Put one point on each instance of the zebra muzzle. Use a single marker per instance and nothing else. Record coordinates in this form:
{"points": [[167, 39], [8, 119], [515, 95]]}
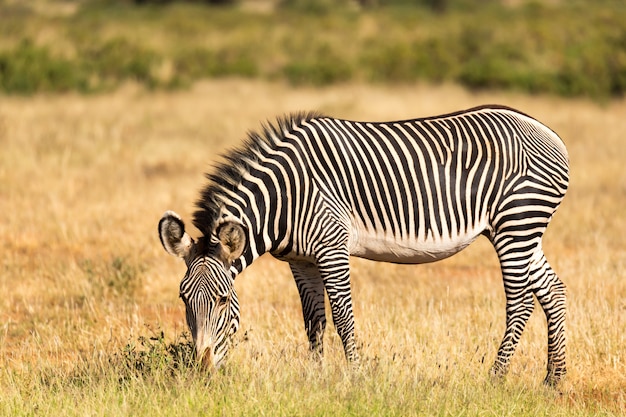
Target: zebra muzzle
{"points": [[207, 359]]}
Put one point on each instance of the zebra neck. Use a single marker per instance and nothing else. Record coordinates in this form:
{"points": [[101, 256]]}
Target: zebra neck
{"points": [[258, 241]]}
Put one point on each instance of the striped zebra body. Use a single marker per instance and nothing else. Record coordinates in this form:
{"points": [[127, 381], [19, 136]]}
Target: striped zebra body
{"points": [[313, 190]]}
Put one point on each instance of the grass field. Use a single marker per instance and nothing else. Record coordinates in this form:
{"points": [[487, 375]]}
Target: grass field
{"points": [[90, 322]]}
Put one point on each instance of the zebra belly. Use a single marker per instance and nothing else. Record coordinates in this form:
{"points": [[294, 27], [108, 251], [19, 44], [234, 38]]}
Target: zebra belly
{"points": [[411, 250]]}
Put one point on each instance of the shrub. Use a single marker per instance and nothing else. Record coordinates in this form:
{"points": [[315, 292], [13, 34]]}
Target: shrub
{"points": [[389, 62], [29, 68], [192, 64], [316, 7], [154, 356], [323, 67], [430, 59], [118, 60], [593, 68], [212, 2]]}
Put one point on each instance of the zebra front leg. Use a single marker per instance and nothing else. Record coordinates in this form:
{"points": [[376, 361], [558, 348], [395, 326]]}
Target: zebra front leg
{"points": [[311, 289], [550, 292], [334, 268]]}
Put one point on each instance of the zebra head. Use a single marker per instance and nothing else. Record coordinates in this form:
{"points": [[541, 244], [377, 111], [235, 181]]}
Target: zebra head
{"points": [[211, 304]]}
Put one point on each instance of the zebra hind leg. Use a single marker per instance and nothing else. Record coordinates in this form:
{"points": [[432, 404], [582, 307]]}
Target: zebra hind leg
{"points": [[311, 290], [550, 292], [519, 307], [519, 300]]}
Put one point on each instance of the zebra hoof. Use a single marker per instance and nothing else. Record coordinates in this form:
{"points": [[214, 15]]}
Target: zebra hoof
{"points": [[497, 373], [553, 379]]}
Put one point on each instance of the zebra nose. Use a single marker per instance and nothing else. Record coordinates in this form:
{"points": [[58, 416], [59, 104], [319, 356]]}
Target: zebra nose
{"points": [[207, 359]]}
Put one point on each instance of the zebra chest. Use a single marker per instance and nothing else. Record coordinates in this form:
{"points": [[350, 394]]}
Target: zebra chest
{"points": [[386, 247]]}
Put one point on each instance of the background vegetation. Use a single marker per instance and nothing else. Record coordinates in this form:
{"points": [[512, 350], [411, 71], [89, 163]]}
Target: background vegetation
{"points": [[569, 48]]}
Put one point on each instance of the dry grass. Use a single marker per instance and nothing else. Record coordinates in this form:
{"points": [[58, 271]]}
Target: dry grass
{"points": [[84, 181]]}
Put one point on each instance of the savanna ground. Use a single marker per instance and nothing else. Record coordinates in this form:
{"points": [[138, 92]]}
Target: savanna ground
{"points": [[90, 321]]}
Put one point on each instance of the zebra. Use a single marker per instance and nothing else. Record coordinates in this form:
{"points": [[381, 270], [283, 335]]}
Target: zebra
{"points": [[313, 190]]}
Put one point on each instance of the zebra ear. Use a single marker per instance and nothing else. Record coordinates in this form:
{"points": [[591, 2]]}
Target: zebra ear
{"points": [[233, 239], [173, 236]]}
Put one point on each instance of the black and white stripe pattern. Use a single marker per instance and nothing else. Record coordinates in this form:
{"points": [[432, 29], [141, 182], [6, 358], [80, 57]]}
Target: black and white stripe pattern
{"points": [[314, 190], [212, 308]]}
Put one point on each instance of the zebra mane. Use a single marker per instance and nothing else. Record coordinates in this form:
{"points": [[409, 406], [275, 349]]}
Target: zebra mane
{"points": [[236, 162]]}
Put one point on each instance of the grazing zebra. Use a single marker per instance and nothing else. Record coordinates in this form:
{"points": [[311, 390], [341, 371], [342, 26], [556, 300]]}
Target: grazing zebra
{"points": [[313, 190]]}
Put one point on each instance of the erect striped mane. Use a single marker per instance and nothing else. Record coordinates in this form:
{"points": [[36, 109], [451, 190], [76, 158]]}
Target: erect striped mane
{"points": [[235, 164]]}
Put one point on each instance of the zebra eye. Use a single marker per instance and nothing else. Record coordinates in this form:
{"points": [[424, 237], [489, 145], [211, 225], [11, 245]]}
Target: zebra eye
{"points": [[222, 300]]}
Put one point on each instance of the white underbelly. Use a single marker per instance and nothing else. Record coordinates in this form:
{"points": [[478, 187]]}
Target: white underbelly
{"points": [[409, 250]]}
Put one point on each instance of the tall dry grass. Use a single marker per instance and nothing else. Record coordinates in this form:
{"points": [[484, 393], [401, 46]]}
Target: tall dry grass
{"points": [[85, 179]]}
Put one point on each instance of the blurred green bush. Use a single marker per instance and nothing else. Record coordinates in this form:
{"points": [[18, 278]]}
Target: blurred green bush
{"points": [[28, 68], [569, 48], [116, 60], [318, 65]]}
